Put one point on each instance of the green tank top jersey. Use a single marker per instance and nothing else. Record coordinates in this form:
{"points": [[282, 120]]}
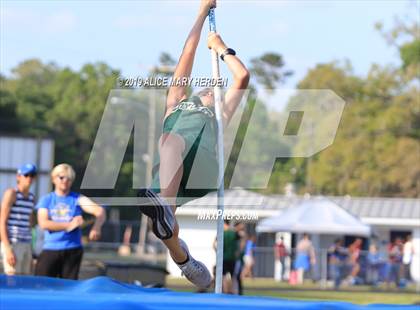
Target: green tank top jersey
{"points": [[192, 120], [197, 125]]}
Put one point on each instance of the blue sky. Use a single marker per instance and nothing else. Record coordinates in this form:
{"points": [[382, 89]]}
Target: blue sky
{"points": [[129, 35]]}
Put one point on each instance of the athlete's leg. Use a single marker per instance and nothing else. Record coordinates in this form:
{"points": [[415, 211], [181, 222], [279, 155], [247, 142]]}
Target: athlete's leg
{"points": [[171, 148], [161, 209], [171, 166]]}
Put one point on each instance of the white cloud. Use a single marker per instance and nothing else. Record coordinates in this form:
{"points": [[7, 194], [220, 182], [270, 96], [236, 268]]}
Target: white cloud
{"points": [[279, 28], [271, 3], [129, 22], [13, 17], [60, 22], [19, 19], [132, 22]]}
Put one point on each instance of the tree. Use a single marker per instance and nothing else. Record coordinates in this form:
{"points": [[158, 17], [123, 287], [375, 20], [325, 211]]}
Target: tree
{"points": [[376, 150], [268, 70], [376, 146]]}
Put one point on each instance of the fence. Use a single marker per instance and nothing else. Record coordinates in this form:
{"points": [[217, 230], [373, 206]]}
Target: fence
{"points": [[266, 266], [323, 271], [329, 273]]}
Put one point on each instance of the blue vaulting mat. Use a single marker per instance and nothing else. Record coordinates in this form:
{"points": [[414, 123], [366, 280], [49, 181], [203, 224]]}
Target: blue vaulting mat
{"points": [[103, 293]]}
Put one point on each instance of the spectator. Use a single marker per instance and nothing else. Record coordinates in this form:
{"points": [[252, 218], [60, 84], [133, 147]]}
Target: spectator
{"points": [[383, 260], [60, 215], [395, 251], [280, 254], [230, 254], [125, 249], [249, 259], [374, 263], [354, 256], [337, 255], [237, 280], [153, 244], [408, 252], [15, 223], [305, 257]]}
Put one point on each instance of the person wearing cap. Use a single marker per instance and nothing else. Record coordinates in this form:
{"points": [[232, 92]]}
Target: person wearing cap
{"points": [[17, 208], [60, 216]]}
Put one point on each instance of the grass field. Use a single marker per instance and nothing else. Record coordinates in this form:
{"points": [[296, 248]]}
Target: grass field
{"points": [[311, 291]]}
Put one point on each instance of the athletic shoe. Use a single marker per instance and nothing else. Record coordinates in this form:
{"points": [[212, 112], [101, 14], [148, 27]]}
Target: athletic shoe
{"points": [[195, 271], [163, 219]]}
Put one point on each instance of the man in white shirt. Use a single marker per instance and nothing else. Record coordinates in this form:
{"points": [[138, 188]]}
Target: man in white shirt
{"points": [[408, 252]]}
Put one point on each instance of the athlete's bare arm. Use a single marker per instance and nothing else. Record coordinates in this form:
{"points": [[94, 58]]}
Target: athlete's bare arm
{"points": [[240, 77], [186, 61]]}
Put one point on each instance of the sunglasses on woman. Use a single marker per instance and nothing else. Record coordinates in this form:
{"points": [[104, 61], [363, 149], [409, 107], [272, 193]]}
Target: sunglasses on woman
{"points": [[63, 177]]}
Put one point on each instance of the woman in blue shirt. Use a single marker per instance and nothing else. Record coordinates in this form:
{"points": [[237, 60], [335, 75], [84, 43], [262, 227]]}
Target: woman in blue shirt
{"points": [[249, 257], [60, 215]]}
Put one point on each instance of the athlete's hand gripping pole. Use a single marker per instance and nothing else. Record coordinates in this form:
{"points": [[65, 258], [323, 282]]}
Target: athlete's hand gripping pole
{"points": [[220, 192]]}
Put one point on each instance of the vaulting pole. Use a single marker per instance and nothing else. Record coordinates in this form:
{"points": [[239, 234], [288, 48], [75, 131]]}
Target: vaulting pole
{"points": [[221, 190]]}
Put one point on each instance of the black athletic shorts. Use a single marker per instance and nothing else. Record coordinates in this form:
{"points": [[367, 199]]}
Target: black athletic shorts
{"points": [[228, 267], [59, 263]]}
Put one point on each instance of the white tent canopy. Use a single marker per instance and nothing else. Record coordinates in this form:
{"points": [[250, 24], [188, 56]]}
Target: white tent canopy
{"points": [[315, 216]]}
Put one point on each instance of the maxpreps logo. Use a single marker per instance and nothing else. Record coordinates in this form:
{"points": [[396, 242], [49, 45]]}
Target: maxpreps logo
{"points": [[304, 123], [213, 215]]}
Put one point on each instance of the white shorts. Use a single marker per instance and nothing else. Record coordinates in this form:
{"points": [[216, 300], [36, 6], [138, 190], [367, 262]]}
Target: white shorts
{"points": [[248, 260], [23, 255]]}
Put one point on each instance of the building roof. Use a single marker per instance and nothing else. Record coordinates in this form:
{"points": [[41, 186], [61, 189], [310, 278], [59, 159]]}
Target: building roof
{"points": [[363, 207]]}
